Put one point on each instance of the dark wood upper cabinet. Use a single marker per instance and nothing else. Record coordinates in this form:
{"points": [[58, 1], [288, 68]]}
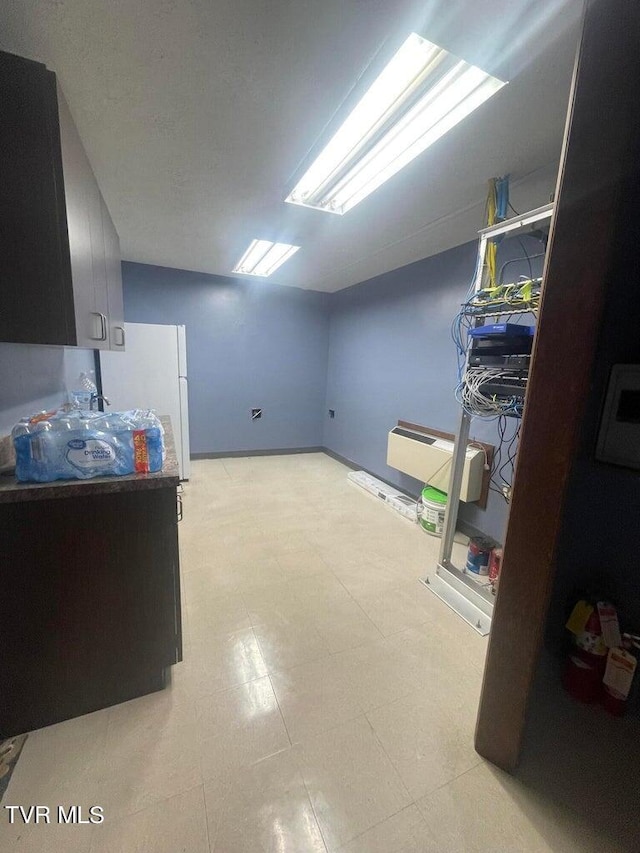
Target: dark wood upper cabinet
{"points": [[59, 250]]}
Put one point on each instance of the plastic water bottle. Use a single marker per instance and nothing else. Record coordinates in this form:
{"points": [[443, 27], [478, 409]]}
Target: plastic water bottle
{"points": [[85, 390], [21, 428]]}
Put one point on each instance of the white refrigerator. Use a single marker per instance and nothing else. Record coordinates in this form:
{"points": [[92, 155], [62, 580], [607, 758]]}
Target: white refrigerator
{"points": [[151, 374]]}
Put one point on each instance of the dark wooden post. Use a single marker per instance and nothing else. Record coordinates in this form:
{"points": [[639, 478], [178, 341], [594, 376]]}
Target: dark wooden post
{"points": [[601, 138]]}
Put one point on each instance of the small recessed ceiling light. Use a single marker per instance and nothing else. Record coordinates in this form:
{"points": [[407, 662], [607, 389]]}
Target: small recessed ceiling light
{"points": [[264, 257], [422, 93]]}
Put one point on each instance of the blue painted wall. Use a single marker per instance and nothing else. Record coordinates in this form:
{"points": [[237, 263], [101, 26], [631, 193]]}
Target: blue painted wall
{"points": [[249, 343], [375, 352], [391, 357], [33, 378]]}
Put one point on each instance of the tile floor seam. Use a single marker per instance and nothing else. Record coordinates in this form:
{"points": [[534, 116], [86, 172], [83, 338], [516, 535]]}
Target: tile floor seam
{"points": [[325, 654], [199, 698], [357, 646], [364, 642], [206, 820], [310, 798], [450, 782], [390, 759], [209, 779], [391, 702], [331, 728], [284, 722], [286, 581], [302, 779], [211, 840], [315, 814], [121, 816], [364, 613], [373, 709], [240, 683], [400, 630], [410, 805], [410, 801], [348, 591]]}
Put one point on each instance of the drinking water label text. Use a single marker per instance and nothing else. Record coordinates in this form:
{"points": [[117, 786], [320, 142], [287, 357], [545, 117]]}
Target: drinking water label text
{"points": [[89, 453]]}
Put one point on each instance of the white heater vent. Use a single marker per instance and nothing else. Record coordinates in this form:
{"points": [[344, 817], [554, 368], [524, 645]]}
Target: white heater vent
{"points": [[428, 459]]}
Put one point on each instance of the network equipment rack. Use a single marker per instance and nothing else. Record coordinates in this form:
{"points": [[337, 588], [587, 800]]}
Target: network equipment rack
{"points": [[502, 358]]}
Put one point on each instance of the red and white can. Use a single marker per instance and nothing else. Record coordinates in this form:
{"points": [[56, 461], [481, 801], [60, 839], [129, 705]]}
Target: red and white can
{"points": [[478, 555], [495, 561]]}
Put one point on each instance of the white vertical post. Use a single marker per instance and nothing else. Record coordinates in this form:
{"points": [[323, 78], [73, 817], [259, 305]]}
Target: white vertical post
{"points": [[455, 485], [461, 441]]}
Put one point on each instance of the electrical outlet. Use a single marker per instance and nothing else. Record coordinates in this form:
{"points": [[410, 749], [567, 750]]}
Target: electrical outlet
{"points": [[332, 413], [256, 414], [506, 491]]}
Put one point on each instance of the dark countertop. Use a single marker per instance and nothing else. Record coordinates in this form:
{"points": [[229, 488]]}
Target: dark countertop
{"points": [[11, 491]]}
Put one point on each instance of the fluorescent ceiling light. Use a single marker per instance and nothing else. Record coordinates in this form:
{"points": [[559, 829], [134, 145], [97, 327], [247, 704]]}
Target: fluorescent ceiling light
{"points": [[421, 94], [264, 257]]}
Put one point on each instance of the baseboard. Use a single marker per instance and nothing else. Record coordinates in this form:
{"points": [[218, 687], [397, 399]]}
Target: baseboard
{"points": [[355, 467], [469, 529], [342, 459], [463, 526], [279, 451]]}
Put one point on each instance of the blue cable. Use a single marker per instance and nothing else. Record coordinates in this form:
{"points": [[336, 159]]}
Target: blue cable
{"points": [[502, 197]]}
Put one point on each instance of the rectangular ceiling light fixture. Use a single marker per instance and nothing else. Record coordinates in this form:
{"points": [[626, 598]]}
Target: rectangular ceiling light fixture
{"points": [[264, 257], [422, 93]]}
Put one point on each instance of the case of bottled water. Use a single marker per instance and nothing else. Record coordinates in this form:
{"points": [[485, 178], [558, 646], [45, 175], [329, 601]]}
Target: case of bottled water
{"points": [[80, 444]]}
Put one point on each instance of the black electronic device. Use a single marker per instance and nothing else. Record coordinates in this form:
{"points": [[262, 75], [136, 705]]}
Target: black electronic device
{"points": [[502, 345], [508, 362], [510, 386]]}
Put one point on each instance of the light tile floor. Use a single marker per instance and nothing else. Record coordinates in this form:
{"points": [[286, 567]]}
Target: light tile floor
{"points": [[326, 701]]}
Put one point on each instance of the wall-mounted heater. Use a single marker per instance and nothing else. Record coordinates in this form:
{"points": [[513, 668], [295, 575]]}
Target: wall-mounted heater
{"points": [[428, 458]]}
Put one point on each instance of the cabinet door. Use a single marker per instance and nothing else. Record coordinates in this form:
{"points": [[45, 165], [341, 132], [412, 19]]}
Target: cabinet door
{"points": [[93, 614], [115, 304], [36, 296], [98, 264], [53, 265], [84, 220]]}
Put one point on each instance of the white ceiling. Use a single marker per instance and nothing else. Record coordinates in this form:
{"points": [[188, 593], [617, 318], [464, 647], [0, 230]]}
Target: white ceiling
{"points": [[198, 116]]}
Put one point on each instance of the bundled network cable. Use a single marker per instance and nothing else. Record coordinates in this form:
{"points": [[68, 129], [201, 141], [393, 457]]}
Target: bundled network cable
{"points": [[523, 295], [502, 469], [501, 300], [476, 393], [496, 211]]}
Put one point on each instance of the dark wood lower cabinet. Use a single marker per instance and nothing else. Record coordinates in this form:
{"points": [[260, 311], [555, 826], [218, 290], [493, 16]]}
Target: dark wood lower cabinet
{"points": [[89, 605]]}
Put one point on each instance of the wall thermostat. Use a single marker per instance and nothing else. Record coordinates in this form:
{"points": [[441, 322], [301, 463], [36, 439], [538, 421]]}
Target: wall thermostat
{"points": [[619, 436]]}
